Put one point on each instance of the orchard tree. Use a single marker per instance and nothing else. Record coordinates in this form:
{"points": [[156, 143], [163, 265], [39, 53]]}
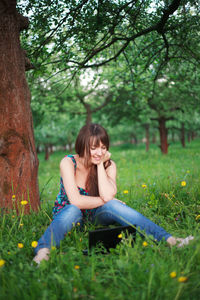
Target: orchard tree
{"points": [[18, 160]]}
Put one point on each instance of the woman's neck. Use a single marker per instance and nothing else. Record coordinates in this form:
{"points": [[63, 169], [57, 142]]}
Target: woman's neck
{"points": [[82, 163]]}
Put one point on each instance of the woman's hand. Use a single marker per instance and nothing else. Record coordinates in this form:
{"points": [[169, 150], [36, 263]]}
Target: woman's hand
{"points": [[106, 156]]}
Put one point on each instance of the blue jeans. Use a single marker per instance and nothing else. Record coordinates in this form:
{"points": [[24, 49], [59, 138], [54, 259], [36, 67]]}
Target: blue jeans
{"points": [[111, 212]]}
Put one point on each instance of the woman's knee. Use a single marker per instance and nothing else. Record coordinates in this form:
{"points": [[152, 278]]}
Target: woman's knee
{"points": [[69, 212], [113, 204]]}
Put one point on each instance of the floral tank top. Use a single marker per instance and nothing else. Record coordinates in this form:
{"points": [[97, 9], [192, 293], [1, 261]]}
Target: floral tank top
{"points": [[62, 199]]}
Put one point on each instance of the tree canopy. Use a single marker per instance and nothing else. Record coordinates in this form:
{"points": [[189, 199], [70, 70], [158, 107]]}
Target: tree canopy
{"points": [[145, 51]]}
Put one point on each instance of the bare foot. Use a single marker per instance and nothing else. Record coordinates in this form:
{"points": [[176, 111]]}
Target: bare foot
{"points": [[42, 254], [180, 242]]}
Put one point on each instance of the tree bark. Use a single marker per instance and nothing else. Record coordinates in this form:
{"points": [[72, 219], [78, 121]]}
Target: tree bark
{"points": [[18, 159], [163, 135], [47, 152], [183, 134]]}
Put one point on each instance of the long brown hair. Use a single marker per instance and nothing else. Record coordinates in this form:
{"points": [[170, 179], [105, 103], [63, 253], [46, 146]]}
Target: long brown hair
{"points": [[89, 135]]}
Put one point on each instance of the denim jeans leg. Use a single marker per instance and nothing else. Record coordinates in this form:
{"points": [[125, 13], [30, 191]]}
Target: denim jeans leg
{"points": [[62, 223], [115, 211]]}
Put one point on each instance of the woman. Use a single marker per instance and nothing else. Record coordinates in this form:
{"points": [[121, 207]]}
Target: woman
{"points": [[87, 191]]}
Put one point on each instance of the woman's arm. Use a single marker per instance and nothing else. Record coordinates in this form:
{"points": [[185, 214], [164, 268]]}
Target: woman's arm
{"points": [[82, 202], [107, 181]]}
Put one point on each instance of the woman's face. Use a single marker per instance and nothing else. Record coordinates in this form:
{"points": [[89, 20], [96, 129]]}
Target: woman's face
{"points": [[97, 153]]}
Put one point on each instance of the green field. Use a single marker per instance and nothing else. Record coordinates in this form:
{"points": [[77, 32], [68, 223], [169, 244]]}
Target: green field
{"points": [[148, 182]]}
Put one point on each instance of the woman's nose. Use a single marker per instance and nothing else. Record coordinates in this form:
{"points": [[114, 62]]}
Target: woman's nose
{"points": [[99, 151]]}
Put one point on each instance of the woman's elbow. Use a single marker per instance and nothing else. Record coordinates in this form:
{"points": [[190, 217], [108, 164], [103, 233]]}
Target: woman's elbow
{"points": [[107, 197]]}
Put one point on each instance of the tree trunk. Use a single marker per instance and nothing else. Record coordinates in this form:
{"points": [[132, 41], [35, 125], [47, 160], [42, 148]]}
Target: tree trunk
{"points": [[154, 138], [47, 152], [147, 137], [89, 114], [163, 135], [193, 135], [70, 145], [189, 137], [133, 139], [183, 134], [18, 159], [50, 148]]}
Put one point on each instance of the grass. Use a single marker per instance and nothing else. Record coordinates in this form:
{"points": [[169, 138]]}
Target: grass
{"points": [[139, 272]]}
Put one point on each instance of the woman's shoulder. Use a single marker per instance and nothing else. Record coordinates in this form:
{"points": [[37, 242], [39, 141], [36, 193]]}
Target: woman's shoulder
{"points": [[68, 160]]}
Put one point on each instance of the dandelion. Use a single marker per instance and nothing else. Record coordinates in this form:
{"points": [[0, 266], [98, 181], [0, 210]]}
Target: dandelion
{"points": [[34, 244], [119, 236], [76, 267], [144, 186], [182, 279], [183, 183], [13, 197], [2, 262], [125, 191], [24, 202], [8, 252], [145, 244], [197, 217], [20, 245], [78, 224], [172, 274], [53, 248], [21, 224]]}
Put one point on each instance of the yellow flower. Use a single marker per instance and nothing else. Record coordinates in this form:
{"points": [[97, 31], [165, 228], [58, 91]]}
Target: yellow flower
{"points": [[172, 274], [13, 216], [188, 171], [13, 197], [2, 262], [78, 224], [8, 252], [20, 245], [76, 267], [53, 248], [125, 191], [182, 279], [145, 244], [198, 217], [21, 224], [80, 239], [119, 236], [34, 244], [144, 186], [24, 202], [183, 183]]}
